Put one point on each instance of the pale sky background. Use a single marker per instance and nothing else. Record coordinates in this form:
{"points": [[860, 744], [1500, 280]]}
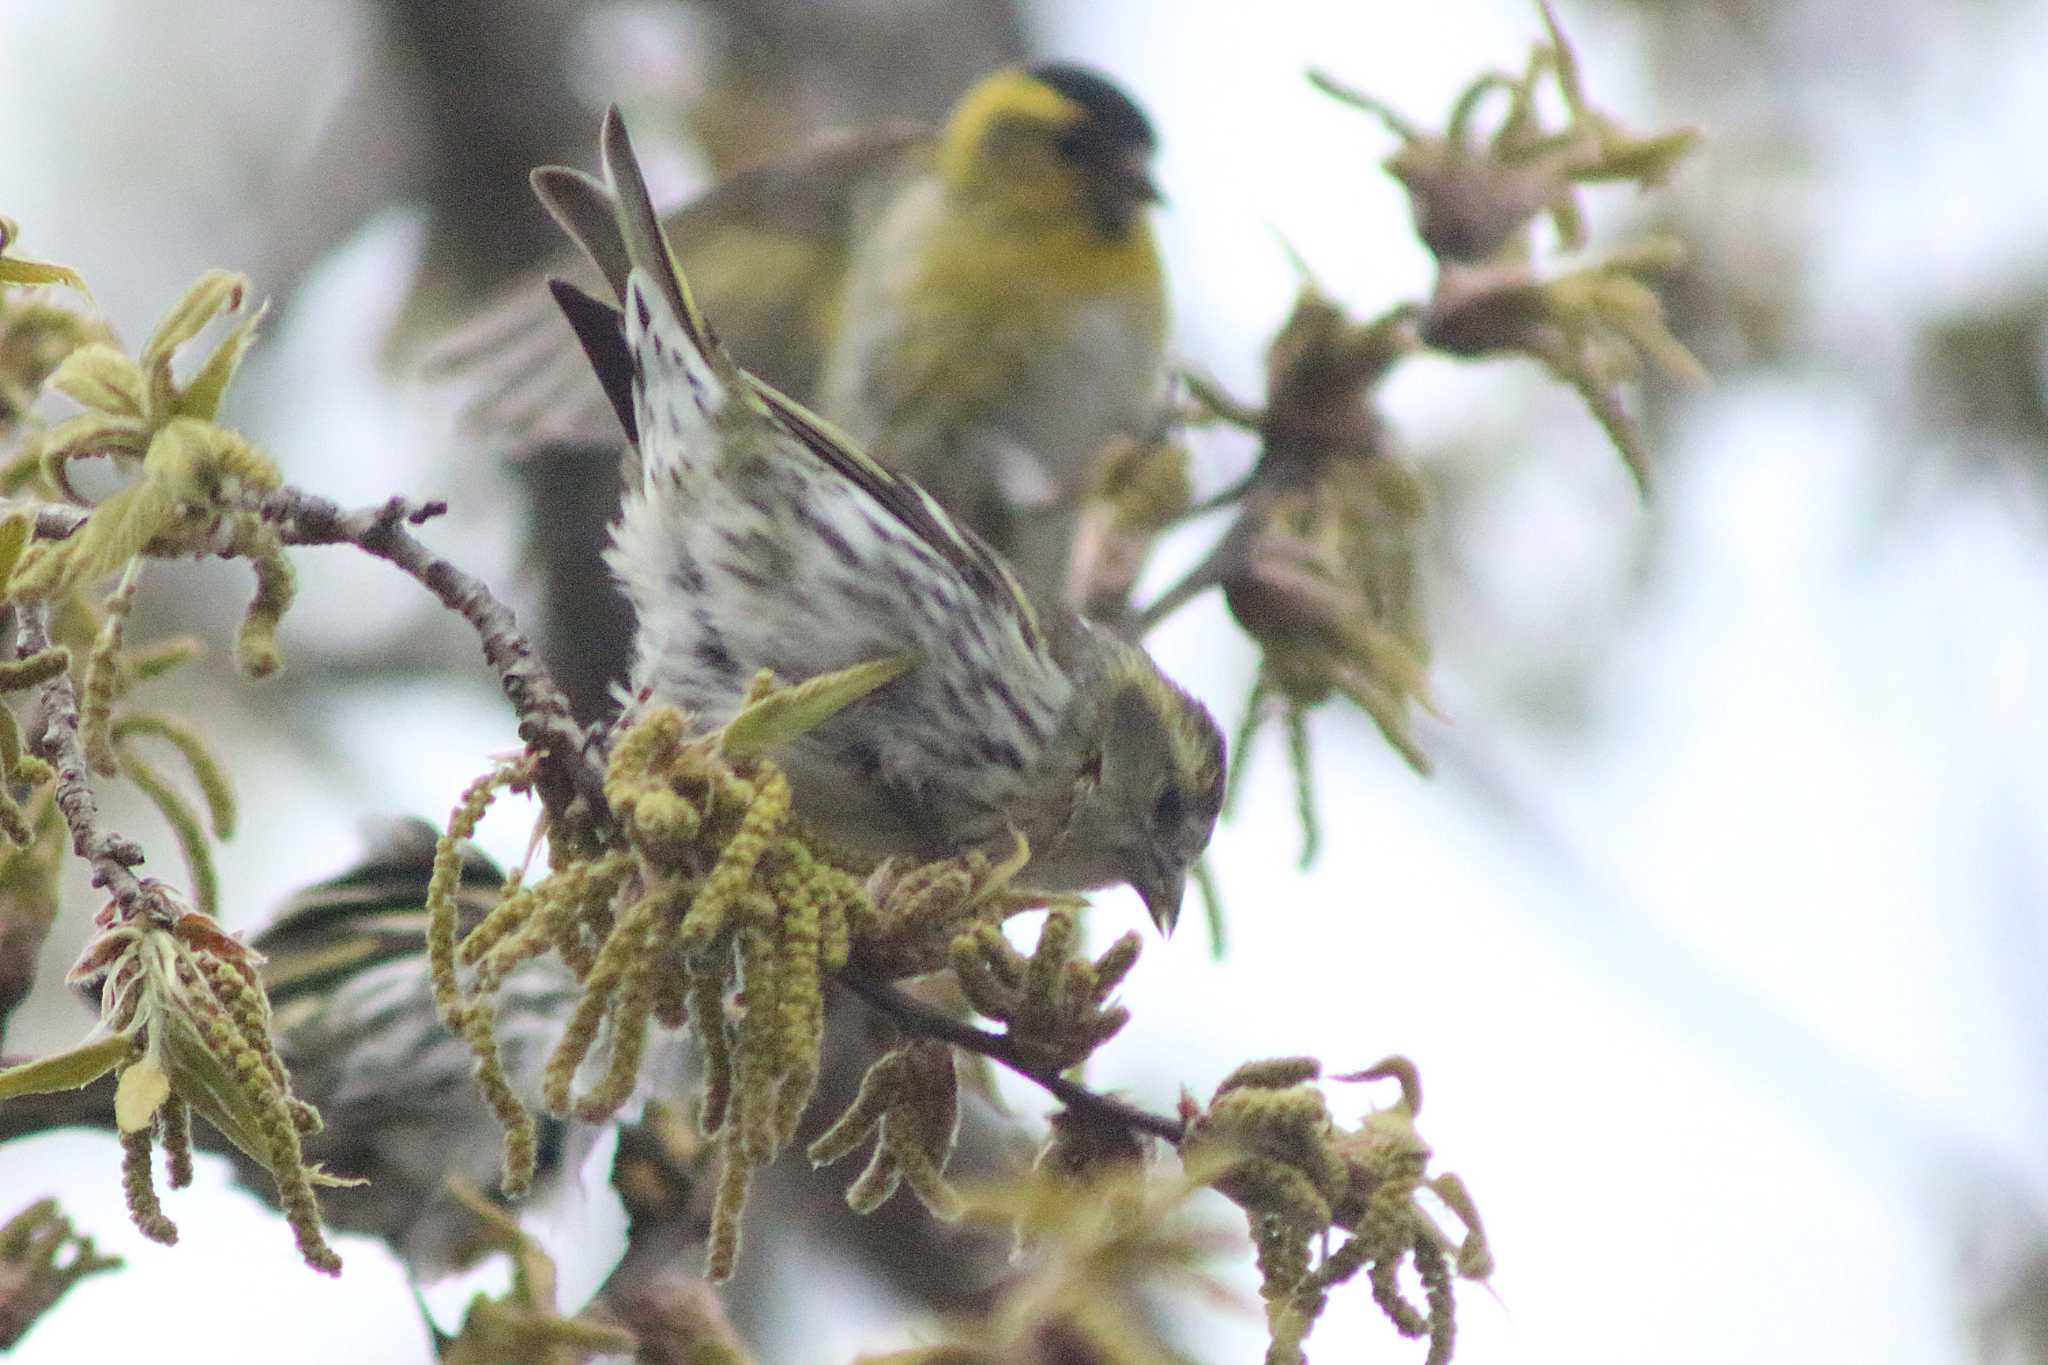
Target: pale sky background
{"points": [[1727, 999]]}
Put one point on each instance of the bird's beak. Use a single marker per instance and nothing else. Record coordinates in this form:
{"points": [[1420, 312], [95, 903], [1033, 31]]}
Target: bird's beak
{"points": [[1118, 185], [1162, 892], [1135, 169]]}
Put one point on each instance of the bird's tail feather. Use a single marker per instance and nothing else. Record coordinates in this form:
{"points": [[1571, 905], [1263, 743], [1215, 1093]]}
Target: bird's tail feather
{"points": [[589, 213], [602, 331], [646, 248], [613, 220]]}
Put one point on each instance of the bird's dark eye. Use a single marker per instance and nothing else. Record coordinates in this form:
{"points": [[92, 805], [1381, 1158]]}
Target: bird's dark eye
{"points": [[1168, 807]]}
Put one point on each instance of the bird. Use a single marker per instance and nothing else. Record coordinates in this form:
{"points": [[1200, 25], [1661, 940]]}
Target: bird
{"points": [[756, 536], [1004, 316], [982, 304]]}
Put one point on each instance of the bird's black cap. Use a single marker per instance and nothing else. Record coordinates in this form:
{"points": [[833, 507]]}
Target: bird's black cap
{"points": [[1112, 113]]}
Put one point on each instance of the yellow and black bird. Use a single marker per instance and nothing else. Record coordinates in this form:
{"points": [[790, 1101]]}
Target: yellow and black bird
{"points": [[981, 305]]}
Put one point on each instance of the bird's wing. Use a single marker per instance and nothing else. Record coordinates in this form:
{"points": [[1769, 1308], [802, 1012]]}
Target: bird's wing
{"points": [[969, 555], [371, 913], [767, 251]]}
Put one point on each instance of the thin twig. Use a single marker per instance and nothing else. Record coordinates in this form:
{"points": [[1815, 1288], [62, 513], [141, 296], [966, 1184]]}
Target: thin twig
{"points": [[55, 740], [570, 783], [927, 1022], [1198, 580]]}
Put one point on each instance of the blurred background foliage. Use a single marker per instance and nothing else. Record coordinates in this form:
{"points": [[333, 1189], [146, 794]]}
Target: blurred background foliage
{"points": [[1719, 932]]}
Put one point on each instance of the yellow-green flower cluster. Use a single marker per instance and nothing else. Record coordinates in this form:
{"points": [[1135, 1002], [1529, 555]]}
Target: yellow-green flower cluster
{"points": [[1324, 576], [710, 907], [1475, 197], [1320, 566], [1475, 200], [913, 913], [186, 1026], [1598, 328], [1053, 1003], [41, 1257], [111, 672], [734, 904], [1268, 1142], [910, 1099], [513, 931]]}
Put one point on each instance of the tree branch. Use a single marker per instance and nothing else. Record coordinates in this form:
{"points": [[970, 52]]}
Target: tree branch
{"points": [[570, 782], [923, 1020]]}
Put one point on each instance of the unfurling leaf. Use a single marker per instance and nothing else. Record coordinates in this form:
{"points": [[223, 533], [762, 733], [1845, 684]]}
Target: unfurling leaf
{"points": [[72, 1069], [15, 270], [214, 293], [99, 377], [789, 712]]}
